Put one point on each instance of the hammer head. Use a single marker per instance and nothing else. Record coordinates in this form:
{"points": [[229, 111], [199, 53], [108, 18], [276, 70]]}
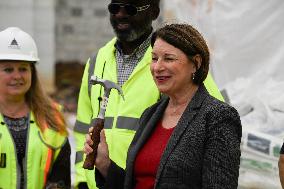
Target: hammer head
{"points": [[108, 85]]}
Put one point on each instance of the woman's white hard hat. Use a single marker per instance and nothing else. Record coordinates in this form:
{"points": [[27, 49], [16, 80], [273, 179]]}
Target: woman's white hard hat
{"points": [[15, 44]]}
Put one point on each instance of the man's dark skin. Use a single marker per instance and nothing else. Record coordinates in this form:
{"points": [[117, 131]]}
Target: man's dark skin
{"points": [[131, 31]]}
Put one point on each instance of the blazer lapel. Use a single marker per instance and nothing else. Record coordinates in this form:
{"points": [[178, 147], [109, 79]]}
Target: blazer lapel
{"points": [[184, 122], [146, 133], [151, 124]]}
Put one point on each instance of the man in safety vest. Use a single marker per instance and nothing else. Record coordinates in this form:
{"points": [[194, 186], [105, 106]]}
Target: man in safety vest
{"points": [[124, 60]]}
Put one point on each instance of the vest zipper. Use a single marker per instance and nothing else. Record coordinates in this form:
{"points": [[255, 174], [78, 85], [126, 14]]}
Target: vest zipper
{"points": [[16, 158], [25, 161]]}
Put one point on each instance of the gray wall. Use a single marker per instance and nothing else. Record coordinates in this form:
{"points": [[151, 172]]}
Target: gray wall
{"points": [[36, 17], [82, 27]]}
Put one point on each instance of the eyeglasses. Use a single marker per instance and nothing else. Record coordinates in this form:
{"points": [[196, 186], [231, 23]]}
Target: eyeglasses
{"points": [[131, 10]]}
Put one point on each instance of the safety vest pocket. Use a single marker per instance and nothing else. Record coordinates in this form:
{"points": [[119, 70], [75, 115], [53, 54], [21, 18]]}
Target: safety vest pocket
{"points": [[2, 160], [2, 156]]}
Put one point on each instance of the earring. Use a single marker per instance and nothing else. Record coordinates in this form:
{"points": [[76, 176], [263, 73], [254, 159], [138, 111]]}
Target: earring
{"points": [[193, 76]]}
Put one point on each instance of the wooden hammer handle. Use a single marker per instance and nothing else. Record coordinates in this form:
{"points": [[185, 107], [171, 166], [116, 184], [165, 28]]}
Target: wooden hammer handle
{"points": [[95, 136]]}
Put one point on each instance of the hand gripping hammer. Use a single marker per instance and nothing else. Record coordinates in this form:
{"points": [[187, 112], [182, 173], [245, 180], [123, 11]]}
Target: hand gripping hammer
{"points": [[99, 121]]}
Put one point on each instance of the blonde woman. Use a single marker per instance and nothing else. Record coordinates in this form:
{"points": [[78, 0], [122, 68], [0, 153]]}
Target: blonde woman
{"points": [[35, 152]]}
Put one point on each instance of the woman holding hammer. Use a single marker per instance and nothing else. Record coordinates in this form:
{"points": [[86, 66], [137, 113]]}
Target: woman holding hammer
{"points": [[188, 139]]}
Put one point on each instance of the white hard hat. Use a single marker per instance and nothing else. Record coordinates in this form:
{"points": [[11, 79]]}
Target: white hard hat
{"points": [[16, 44]]}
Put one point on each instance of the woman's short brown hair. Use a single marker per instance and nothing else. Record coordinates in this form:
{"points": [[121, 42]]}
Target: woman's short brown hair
{"points": [[190, 41]]}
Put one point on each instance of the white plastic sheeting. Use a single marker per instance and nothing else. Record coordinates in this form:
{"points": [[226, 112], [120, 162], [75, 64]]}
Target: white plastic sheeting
{"points": [[246, 39], [260, 102]]}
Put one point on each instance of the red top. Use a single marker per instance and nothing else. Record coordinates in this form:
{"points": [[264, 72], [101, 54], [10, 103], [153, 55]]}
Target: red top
{"points": [[148, 158]]}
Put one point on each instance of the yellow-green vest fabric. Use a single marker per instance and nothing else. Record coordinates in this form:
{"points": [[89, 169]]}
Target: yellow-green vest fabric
{"points": [[122, 116], [38, 148]]}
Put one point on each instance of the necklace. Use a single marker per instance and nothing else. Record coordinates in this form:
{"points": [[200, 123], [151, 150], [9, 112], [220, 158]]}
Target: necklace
{"points": [[16, 124], [177, 110], [178, 103]]}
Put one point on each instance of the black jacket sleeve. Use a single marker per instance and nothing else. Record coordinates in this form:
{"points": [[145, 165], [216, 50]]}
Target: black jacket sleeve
{"points": [[60, 175], [114, 179]]}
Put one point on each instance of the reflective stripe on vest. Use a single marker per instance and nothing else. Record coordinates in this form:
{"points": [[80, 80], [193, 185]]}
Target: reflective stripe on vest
{"points": [[123, 122], [79, 156], [81, 127], [48, 164], [129, 123]]}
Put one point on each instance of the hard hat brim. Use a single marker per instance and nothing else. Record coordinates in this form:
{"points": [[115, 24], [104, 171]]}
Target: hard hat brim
{"points": [[18, 58]]}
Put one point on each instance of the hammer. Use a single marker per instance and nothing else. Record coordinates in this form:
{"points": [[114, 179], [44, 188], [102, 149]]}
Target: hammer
{"points": [[99, 121]]}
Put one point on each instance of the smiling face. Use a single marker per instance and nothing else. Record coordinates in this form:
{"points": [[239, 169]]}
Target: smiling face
{"points": [[171, 68], [130, 28], [15, 78]]}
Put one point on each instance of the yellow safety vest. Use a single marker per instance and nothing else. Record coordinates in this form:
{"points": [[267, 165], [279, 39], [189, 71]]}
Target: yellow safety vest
{"points": [[42, 149], [121, 117]]}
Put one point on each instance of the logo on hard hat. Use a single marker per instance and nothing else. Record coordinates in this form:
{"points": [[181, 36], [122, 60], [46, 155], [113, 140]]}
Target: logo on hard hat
{"points": [[14, 44]]}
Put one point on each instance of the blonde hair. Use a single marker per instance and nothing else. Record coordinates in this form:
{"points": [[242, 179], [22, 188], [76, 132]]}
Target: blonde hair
{"points": [[46, 112]]}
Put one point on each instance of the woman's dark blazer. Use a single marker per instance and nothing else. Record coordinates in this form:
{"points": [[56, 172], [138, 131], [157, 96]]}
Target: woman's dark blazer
{"points": [[202, 152]]}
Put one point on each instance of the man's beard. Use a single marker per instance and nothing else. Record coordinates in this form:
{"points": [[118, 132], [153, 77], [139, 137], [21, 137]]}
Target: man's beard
{"points": [[131, 34]]}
